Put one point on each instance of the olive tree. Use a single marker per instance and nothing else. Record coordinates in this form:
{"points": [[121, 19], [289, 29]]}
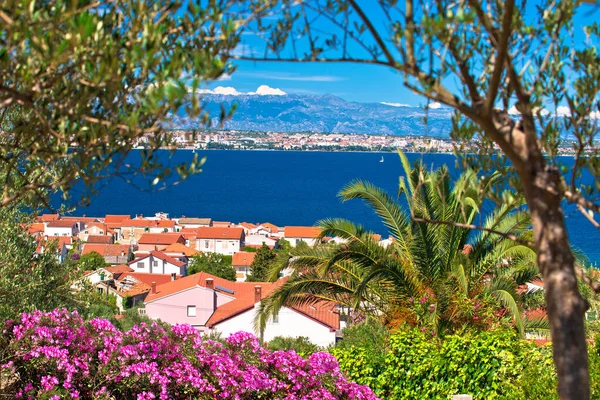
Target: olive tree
{"points": [[84, 82], [523, 80]]}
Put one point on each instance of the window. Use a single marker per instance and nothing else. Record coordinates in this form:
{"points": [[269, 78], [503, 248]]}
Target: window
{"points": [[206, 244], [140, 265], [191, 311], [86, 232], [155, 263]]}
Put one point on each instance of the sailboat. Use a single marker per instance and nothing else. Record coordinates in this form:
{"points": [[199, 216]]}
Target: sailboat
{"points": [[381, 159]]}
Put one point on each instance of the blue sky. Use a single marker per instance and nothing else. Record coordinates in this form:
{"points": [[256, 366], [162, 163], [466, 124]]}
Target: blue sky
{"points": [[352, 82]]}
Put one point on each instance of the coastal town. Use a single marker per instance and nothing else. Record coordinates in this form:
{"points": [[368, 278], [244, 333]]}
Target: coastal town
{"points": [[310, 141], [147, 262]]}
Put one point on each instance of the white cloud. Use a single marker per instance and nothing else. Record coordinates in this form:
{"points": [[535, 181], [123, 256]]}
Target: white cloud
{"points": [[224, 77], [513, 111], [264, 90], [395, 104], [435, 105], [563, 111]]}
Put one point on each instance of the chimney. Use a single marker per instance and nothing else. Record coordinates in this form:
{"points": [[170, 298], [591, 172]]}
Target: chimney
{"points": [[257, 294], [209, 283], [153, 288], [173, 276], [122, 253]]}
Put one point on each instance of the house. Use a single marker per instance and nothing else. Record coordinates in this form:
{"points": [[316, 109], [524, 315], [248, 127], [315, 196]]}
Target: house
{"points": [[96, 229], [63, 243], [247, 227], [184, 222], [225, 241], [132, 229], [61, 228], [102, 239], [221, 224], [159, 241], [241, 262], [273, 229], [213, 304], [296, 234], [256, 241], [112, 253], [157, 262], [107, 273]]}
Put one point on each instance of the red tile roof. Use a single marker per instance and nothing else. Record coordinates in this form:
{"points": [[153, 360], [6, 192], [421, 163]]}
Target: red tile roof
{"points": [[221, 224], [243, 259], [147, 278], [79, 219], [161, 238], [166, 223], [180, 248], [248, 225], [161, 256], [61, 224], [243, 292], [49, 217], [36, 227], [302, 231], [107, 250], [118, 269], [116, 218], [98, 225], [99, 239], [218, 233], [140, 223], [271, 227]]}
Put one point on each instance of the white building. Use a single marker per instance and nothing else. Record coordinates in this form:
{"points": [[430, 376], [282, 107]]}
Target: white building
{"points": [[296, 234], [61, 228], [157, 262], [226, 241]]}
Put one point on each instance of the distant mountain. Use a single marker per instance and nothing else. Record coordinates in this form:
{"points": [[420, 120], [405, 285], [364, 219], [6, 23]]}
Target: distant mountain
{"points": [[308, 113]]}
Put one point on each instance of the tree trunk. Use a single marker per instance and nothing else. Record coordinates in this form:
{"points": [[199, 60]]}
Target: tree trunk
{"points": [[565, 306]]}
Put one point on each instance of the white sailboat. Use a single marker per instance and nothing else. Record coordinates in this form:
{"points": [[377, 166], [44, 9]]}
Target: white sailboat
{"points": [[381, 159]]}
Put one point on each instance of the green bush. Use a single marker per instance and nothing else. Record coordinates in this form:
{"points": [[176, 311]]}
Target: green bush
{"points": [[487, 365], [301, 345]]}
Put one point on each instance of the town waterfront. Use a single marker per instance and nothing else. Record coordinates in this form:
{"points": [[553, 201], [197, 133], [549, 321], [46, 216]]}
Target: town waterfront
{"points": [[282, 187]]}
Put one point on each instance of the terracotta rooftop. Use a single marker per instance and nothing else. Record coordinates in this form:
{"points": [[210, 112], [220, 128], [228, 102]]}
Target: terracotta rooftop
{"points": [[99, 239], [116, 218], [140, 223], [107, 250], [160, 238], [302, 231], [243, 259], [61, 224], [180, 248], [271, 227], [49, 217], [160, 255], [243, 292], [147, 278], [194, 221], [118, 269], [217, 233]]}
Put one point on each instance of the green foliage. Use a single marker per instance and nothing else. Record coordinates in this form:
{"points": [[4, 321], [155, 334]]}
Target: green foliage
{"points": [[261, 265], [91, 261], [212, 263], [30, 281], [301, 345], [488, 365], [101, 77], [442, 276]]}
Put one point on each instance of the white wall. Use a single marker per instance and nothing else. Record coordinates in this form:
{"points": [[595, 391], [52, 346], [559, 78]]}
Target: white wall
{"points": [[291, 324], [58, 231], [295, 240], [220, 246], [154, 265]]}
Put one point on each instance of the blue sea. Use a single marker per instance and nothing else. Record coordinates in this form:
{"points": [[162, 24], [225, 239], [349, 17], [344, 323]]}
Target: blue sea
{"points": [[284, 188]]}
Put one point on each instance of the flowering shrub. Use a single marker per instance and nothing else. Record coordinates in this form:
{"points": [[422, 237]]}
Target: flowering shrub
{"points": [[57, 355]]}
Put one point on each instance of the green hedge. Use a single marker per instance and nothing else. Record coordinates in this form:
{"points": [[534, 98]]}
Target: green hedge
{"points": [[487, 365]]}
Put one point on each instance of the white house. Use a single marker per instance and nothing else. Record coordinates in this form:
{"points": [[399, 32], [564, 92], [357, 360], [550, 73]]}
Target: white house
{"points": [[257, 240], [214, 304], [227, 241], [61, 228], [157, 262], [296, 234]]}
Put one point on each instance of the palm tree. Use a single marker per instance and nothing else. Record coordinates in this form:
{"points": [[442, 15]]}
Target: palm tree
{"points": [[445, 266]]}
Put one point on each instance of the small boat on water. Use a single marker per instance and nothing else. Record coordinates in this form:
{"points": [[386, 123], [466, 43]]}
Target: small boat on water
{"points": [[381, 159]]}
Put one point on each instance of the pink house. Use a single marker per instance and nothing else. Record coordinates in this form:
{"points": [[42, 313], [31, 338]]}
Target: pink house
{"points": [[210, 303]]}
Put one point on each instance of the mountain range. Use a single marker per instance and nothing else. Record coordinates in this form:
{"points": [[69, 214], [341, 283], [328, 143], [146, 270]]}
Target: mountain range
{"points": [[312, 113]]}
